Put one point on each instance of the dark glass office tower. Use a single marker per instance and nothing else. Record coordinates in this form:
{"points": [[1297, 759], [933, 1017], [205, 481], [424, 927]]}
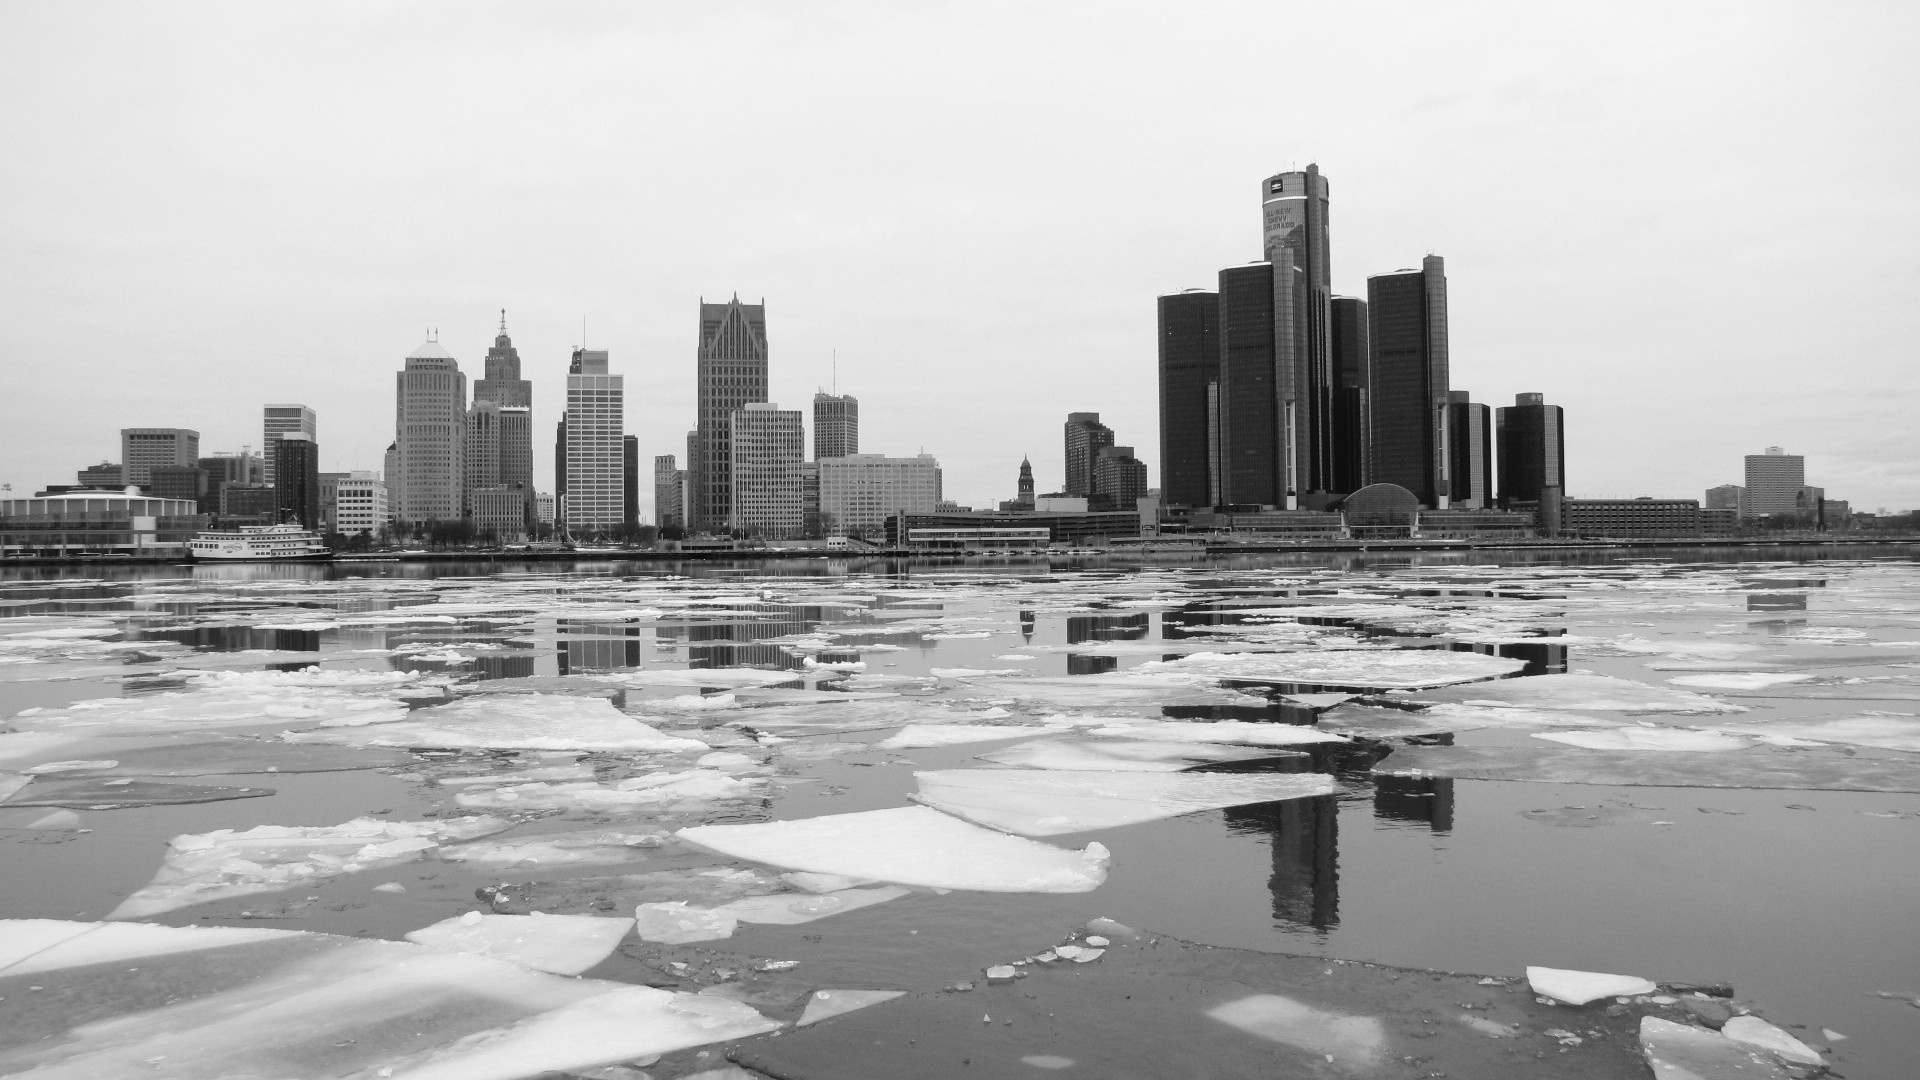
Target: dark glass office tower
{"points": [[1352, 414], [1294, 220], [1407, 332], [630, 476], [732, 371], [1085, 435], [1533, 449], [296, 479], [1469, 452], [1189, 380], [1249, 418]]}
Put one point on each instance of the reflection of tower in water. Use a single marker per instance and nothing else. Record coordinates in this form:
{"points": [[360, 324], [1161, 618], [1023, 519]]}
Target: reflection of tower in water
{"points": [[595, 646], [1305, 837], [1422, 800]]}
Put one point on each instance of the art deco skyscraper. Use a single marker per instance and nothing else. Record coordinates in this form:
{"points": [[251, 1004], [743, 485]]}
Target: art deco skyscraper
{"points": [[503, 383], [836, 425], [1533, 449], [430, 407], [732, 372], [1189, 387], [1407, 331], [596, 476], [500, 425], [1294, 220]]}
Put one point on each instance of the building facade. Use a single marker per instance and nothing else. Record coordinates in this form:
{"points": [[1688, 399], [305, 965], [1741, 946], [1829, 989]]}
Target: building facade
{"points": [[177, 482], [104, 475], [278, 420], [1533, 450], [1469, 452], [1352, 408], [1407, 339], [296, 479], [668, 486], [630, 481], [731, 373], [430, 426], [1189, 332], [766, 446], [143, 448], [596, 479], [97, 522], [1085, 435], [360, 504], [1727, 497], [859, 492], [1774, 480], [836, 425], [1248, 416], [1119, 478], [500, 511], [1294, 225]]}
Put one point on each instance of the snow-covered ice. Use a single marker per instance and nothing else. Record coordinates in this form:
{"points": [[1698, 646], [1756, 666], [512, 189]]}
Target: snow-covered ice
{"points": [[1580, 987], [1600, 693], [1647, 738], [1123, 755], [1684, 1052], [1039, 803], [1224, 731], [923, 735], [1371, 668], [685, 788], [562, 944], [909, 845], [548, 850], [1755, 1032], [511, 722]]}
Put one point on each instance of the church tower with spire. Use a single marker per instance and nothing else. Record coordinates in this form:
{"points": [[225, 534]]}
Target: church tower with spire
{"points": [[1024, 500]]}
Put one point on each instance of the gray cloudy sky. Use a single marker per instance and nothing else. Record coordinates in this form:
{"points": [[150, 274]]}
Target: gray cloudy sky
{"points": [[1692, 224]]}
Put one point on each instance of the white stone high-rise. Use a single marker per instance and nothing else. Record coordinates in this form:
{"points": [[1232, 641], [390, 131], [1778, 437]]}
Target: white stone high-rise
{"points": [[430, 422], [764, 451], [595, 499]]}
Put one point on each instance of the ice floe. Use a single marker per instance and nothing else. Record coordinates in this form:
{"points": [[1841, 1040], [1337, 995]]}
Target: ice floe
{"points": [[677, 922], [671, 791], [1579, 987], [201, 867], [1599, 693], [909, 845], [1647, 738], [562, 944], [1684, 1052], [548, 850], [99, 794], [1888, 731], [1125, 755], [1038, 803], [924, 735], [1344, 1040], [511, 722], [1733, 680], [1755, 1032], [1756, 767], [1370, 668], [1114, 690], [1222, 731], [830, 1003]]}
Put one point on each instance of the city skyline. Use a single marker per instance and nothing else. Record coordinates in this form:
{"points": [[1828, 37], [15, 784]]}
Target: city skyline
{"points": [[1043, 299]]}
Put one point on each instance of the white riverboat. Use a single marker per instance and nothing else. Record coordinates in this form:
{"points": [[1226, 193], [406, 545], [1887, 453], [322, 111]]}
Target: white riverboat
{"points": [[259, 543]]}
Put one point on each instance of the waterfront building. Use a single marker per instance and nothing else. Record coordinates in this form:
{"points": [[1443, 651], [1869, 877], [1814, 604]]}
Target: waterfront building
{"points": [[668, 488], [229, 468], [1294, 227], [1119, 478], [1085, 435], [1774, 479], [812, 525], [988, 528], [104, 475], [836, 425], [1189, 331], [594, 499], [428, 476], [143, 448], [278, 420], [500, 511], [858, 492], [1407, 343], [1352, 408], [96, 522], [329, 500], [766, 445], [1727, 497], [1248, 416], [360, 504], [296, 483], [1469, 452], [1641, 517], [1531, 436], [630, 481], [177, 482], [731, 373]]}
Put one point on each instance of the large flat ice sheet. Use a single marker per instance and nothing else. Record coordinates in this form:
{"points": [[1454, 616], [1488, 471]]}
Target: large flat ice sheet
{"points": [[511, 722], [266, 1005], [1126, 755], [562, 944], [1112, 690], [1368, 668], [1667, 739], [911, 845], [1759, 767], [1889, 731], [686, 788], [918, 736], [1223, 731], [1599, 693], [228, 699], [1037, 803], [1381, 722], [201, 867], [545, 851]]}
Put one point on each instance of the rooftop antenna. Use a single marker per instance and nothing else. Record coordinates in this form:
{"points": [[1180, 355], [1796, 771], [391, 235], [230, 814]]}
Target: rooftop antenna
{"points": [[503, 320], [836, 373]]}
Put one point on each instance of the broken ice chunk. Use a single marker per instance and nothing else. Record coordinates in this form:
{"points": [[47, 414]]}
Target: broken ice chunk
{"points": [[562, 944], [911, 845], [1116, 689], [1753, 1031], [38, 817], [685, 789], [674, 923], [1684, 1052], [225, 863], [1036, 803], [1224, 731], [1647, 738], [923, 735], [579, 770], [1735, 680], [1888, 731], [792, 909], [32, 946], [1126, 755], [1369, 668], [1802, 769], [823, 883], [1580, 987], [1341, 1038], [1600, 693], [548, 850], [120, 794], [827, 1003], [511, 722]]}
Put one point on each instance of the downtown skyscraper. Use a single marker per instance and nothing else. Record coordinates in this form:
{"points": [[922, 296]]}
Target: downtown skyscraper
{"points": [[836, 425], [1189, 330], [278, 420], [500, 443], [430, 406], [731, 373], [594, 446], [1407, 331]]}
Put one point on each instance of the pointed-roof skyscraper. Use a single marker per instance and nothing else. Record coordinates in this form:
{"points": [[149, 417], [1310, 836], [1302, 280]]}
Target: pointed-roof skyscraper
{"points": [[731, 371], [502, 383]]}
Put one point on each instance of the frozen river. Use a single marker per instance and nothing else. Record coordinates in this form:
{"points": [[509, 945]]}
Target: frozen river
{"points": [[831, 819]]}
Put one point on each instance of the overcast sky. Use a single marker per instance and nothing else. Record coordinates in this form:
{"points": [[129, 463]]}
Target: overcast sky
{"points": [[1693, 225]]}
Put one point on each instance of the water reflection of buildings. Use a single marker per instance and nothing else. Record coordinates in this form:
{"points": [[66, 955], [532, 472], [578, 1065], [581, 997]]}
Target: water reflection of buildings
{"points": [[1421, 800], [1542, 656], [1776, 601], [1085, 628], [1305, 837], [735, 642], [220, 639]]}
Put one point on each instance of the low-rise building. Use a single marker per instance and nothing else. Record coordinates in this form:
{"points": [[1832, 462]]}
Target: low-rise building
{"points": [[501, 510], [859, 492], [360, 504], [1063, 529], [97, 522], [1642, 517]]}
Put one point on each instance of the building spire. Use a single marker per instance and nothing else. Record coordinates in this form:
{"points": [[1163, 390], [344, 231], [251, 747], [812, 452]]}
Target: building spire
{"points": [[503, 320]]}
